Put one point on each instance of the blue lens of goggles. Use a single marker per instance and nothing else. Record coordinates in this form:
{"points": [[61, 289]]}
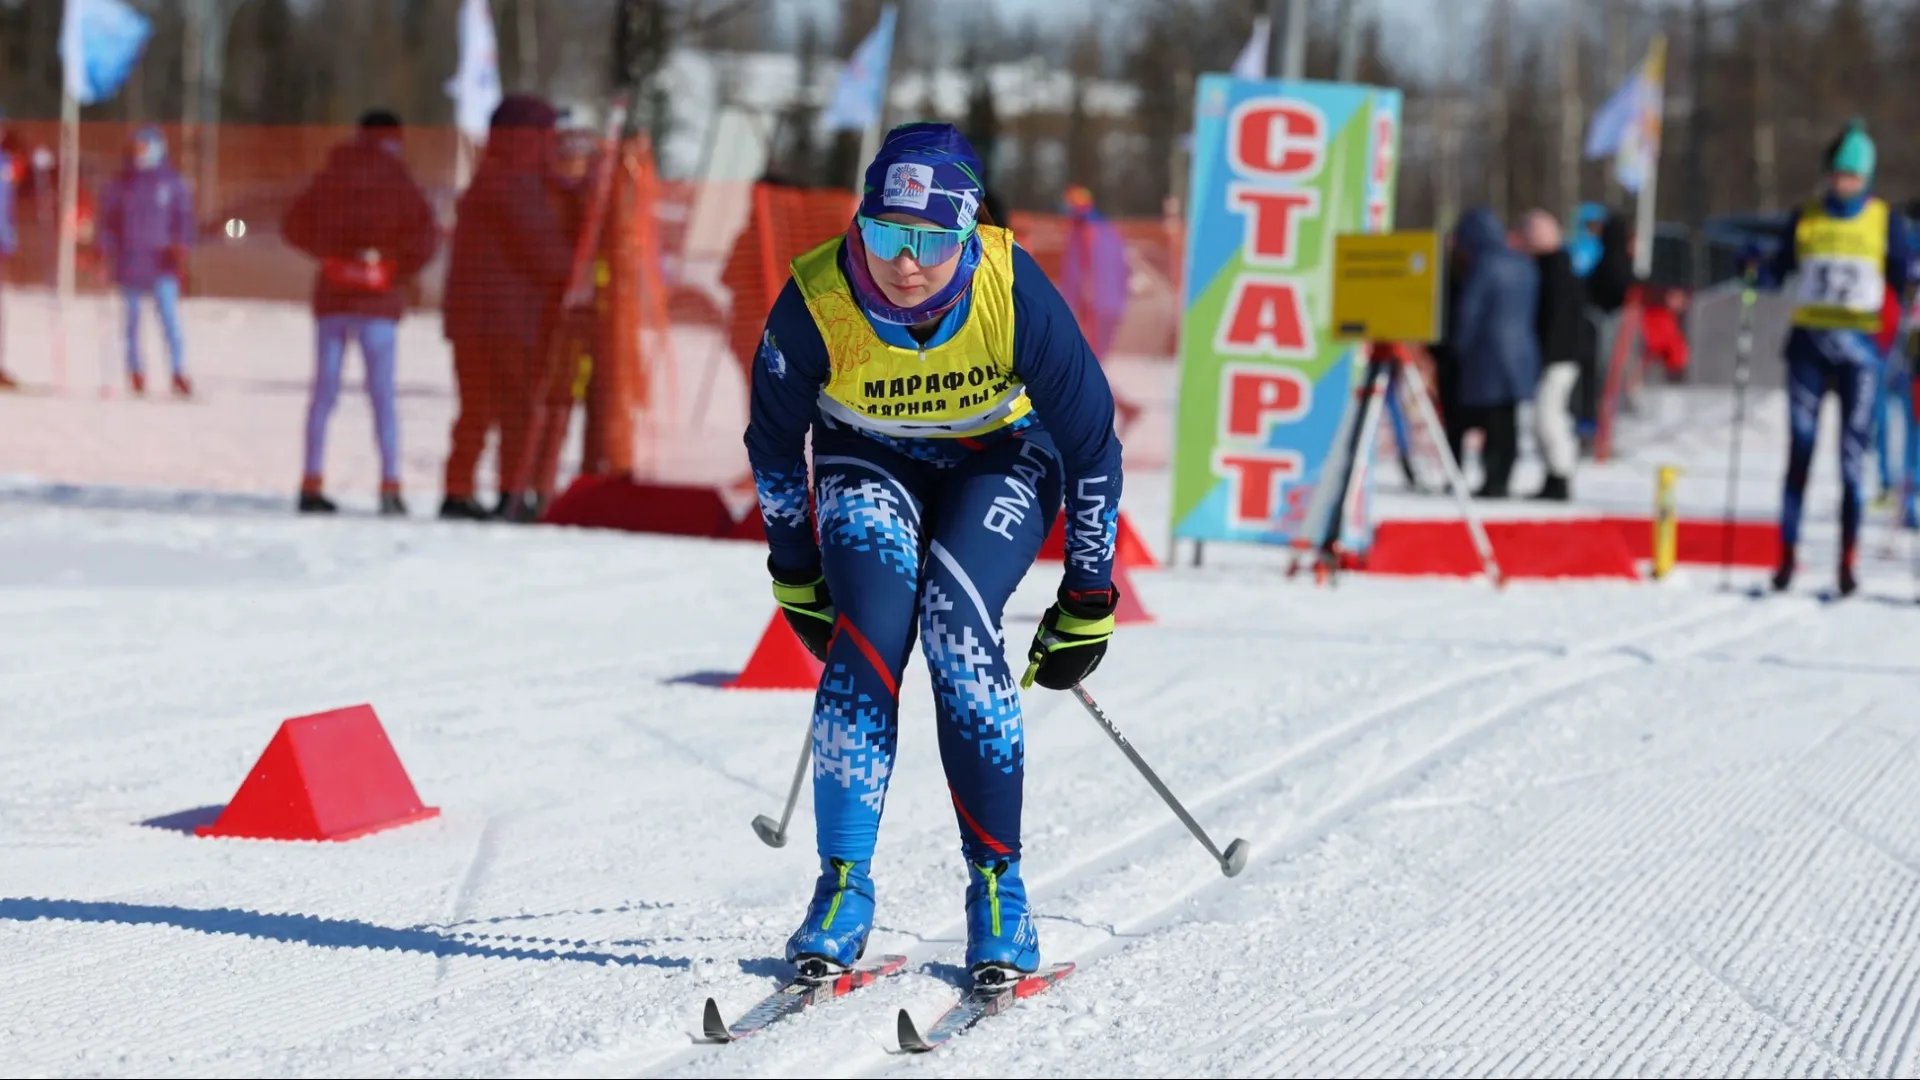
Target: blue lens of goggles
{"points": [[928, 245]]}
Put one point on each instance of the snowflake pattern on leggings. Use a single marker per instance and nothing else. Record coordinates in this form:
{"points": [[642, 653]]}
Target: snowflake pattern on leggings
{"points": [[972, 685], [869, 514], [852, 738]]}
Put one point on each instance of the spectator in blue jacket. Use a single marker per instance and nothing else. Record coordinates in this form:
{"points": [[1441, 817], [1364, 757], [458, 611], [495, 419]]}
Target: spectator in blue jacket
{"points": [[371, 228], [1497, 349], [146, 226], [9, 243], [1584, 246]]}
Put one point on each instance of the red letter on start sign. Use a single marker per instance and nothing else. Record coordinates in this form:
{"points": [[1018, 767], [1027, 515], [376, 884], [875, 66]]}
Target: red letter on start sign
{"points": [[1276, 139], [1258, 397], [1272, 235], [1382, 148], [1255, 480], [1266, 316]]}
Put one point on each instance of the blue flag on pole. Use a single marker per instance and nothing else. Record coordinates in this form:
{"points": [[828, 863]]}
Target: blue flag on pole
{"points": [[861, 91], [1627, 126], [100, 41]]}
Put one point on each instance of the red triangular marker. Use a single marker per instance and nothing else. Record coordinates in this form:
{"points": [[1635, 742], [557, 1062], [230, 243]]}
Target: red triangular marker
{"points": [[779, 662], [1129, 610], [1130, 550], [329, 776]]}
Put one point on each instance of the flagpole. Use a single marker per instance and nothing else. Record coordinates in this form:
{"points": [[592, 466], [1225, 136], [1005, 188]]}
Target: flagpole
{"points": [[870, 136], [1647, 204], [69, 214]]}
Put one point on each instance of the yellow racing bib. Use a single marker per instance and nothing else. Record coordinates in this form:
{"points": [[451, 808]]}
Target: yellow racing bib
{"points": [[1842, 268], [964, 386]]}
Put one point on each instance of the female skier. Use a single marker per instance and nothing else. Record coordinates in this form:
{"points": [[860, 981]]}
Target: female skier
{"points": [[953, 404]]}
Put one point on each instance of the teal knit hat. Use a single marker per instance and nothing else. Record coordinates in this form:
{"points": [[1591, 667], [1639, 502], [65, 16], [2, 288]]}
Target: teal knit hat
{"points": [[1853, 152]]}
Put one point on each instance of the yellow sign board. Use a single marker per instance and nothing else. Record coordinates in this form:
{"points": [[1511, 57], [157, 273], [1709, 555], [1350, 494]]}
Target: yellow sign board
{"points": [[1387, 286]]}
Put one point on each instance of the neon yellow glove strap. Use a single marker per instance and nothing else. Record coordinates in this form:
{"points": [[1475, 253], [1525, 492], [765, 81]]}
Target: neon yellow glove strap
{"points": [[798, 594], [800, 599], [1101, 627]]}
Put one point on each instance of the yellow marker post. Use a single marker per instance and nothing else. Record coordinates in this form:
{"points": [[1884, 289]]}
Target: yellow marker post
{"points": [[1666, 521], [1387, 286]]}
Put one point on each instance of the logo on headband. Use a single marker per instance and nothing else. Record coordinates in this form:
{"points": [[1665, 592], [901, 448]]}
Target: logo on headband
{"points": [[908, 184], [969, 209]]}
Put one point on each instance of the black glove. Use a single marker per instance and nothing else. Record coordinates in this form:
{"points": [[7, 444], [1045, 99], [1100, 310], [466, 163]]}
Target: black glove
{"points": [[1072, 638], [802, 596]]}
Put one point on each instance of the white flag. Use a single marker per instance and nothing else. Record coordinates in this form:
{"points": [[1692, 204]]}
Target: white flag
{"points": [[1252, 62], [475, 88]]}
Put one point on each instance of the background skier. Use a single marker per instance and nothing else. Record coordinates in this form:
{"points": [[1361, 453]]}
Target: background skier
{"points": [[1849, 249]]}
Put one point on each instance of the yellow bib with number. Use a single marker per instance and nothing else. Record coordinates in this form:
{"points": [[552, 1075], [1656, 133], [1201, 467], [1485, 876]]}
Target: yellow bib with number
{"points": [[964, 386], [1843, 262]]}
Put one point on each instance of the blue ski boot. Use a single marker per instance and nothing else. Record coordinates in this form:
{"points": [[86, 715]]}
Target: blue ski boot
{"points": [[1002, 944], [838, 921]]}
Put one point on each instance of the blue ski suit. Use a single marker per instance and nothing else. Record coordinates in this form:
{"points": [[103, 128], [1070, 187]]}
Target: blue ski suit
{"points": [[938, 469], [1848, 252]]}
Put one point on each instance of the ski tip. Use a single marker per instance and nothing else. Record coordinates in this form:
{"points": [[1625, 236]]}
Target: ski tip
{"points": [[711, 1024], [909, 1035]]}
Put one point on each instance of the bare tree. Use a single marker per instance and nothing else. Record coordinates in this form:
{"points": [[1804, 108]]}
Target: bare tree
{"points": [[1083, 158]]}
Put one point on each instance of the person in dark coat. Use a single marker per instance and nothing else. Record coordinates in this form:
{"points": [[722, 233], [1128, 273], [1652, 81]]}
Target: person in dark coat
{"points": [[1557, 325], [146, 227], [1609, 283], [372, 229], [507, 270], [1495, 346]]}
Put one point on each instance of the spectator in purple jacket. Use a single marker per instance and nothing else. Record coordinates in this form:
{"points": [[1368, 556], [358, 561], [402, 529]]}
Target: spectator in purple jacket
{"points": [[146, 226], [371, 228]]}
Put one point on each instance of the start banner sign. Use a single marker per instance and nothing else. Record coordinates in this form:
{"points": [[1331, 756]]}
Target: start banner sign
{"points": [[1279, 170]]}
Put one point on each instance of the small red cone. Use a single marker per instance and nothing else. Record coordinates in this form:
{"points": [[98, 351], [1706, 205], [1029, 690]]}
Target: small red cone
{"points": [[779, 662], [1129, 549], [329, 776], [1129, 610]]}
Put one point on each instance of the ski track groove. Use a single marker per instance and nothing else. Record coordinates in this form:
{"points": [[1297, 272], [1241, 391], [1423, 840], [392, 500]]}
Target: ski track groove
{"points": [[1437, 1020], [1735, 927], [655, 1063], [1437, 1027], [1395, 769], [1604, 658]]}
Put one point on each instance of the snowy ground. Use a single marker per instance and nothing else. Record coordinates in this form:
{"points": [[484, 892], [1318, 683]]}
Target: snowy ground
{"points": [[1564, 829]]}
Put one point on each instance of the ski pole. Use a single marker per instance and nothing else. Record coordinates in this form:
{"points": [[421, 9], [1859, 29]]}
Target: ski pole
{"points": [[773, 833], [1742, 363], [1231, 861]]}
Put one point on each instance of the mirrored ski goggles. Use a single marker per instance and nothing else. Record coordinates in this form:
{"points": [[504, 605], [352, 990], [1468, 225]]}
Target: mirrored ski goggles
{"points": [[928, 245]]}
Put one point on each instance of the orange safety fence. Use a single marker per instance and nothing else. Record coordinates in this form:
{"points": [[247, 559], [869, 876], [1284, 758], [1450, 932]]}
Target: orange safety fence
{"points": [[688, 272]]}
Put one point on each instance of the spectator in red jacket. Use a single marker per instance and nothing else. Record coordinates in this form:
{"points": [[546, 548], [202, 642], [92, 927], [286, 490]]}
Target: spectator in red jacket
{"points": [[505, 276], [371, 228]]}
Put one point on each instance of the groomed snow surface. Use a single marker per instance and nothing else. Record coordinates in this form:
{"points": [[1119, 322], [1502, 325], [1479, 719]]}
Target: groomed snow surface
{"points": [[1564, 829]]}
